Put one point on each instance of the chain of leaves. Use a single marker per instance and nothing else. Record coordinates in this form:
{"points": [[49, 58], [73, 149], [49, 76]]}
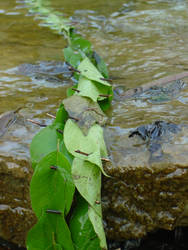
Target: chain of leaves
{"points": [[70, 152]]}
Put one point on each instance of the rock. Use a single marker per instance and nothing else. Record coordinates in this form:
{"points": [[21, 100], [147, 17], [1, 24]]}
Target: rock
{"points": [[158, 94], [43, 67], [148, 188], [6, 120], [16, 216], [170, 85], [49, 71]]}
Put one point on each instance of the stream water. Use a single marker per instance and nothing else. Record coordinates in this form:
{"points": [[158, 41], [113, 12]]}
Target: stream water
{"points": [[139, 40]]}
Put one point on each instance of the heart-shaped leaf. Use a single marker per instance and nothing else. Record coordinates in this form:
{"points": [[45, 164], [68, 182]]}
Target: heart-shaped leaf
{"points": [[97, 223], [91, 89], [61, 116], [87, 179], [99, 63], [49, 135], [72, 57], [92, 146], [39, 149], [57, 189], [88, 70], [77, 42], [82, 232], [51, 232]]}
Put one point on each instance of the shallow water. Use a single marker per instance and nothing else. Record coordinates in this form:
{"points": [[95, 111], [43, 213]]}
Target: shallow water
{"points": [[140, 41]]}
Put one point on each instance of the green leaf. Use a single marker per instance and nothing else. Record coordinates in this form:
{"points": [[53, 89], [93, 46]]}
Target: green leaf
{"points": [[61, 115], [92, 144], [87, 179], [50, 188], [106, 103], [91, 89], [91, 72], [79, 43], [99, 63], [83, 234], [56, 21], [72, 57], [50, 232], [66, 153], [54, 247], [39, 149], [74, 140], [96, 221], [51, 17], [70, 90], [49, 135], [54, 189]]}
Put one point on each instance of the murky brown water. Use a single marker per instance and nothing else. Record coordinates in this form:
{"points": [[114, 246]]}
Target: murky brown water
{"points": [[139, 40]]}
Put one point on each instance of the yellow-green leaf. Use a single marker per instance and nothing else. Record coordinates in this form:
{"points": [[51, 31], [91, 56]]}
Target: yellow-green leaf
{"points": [[88, 70]]}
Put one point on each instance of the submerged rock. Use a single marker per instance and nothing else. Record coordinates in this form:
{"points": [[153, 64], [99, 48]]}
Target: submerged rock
{"points": [[50, 71], [154, 134], [43, 67], [158, 91], [148, 188], [160, 94]]}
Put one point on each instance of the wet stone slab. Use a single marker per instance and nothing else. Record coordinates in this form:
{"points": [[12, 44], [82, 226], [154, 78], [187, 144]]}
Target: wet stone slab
{"points": [[148, 188], [16, 216]]}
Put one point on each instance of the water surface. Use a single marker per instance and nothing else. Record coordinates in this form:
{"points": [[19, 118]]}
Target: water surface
{"points": [[139, 40]]}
